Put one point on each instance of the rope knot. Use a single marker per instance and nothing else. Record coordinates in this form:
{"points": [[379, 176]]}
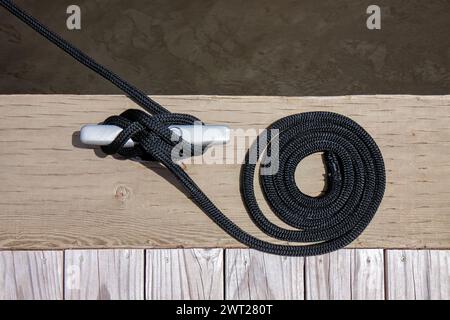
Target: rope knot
{"points": [[151, 135]]}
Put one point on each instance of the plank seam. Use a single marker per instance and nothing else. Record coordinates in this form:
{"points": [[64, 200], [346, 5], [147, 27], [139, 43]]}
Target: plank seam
{"points": [[145, 274], [63, 274], [386, 270], [224, 275], [305, 262]]}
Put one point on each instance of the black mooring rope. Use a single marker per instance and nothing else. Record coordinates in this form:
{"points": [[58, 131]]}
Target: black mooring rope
{"points": [[354, 164]]}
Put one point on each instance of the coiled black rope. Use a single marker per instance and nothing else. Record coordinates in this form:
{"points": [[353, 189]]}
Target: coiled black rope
{"points": [[354, 164]]}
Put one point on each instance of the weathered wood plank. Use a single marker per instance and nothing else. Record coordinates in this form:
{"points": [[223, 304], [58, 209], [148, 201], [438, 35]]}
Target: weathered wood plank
{"points": [[31, 275], [367, 272], [328, 277], [57, 195], [104, 274], [190, 274], [418, 274], [255, 275], [345, 274]]}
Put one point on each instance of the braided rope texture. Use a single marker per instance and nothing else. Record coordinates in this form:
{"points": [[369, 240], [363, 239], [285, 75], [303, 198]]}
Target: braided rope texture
{"points": [[355, 179], [354, 165]]}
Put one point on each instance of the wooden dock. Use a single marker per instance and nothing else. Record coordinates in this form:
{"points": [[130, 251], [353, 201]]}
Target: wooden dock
{"points": [[75, 224], [230, 274], [58, 195]]}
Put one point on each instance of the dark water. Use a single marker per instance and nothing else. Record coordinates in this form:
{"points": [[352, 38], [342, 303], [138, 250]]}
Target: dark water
{"points": [[251, 47]]}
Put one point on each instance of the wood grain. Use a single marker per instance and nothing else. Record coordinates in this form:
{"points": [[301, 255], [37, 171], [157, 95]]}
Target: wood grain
{"points": [[58, 195], [418, 274], [328, 277], [345, 275], [31, 275], [104, 274], [190, 274], [253, 275]]}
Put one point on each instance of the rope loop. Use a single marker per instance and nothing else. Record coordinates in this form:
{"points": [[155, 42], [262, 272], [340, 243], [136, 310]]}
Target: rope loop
{"points": [[355, 182]]}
